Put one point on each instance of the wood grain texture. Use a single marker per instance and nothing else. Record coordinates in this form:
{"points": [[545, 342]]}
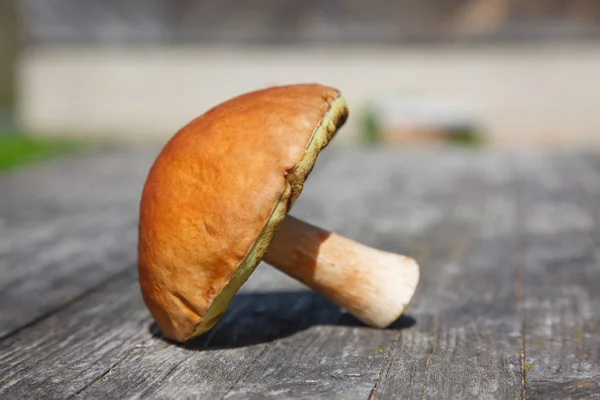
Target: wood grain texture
{"points": [[506, 306], [466, 342], [65, 228], [559, 240]]}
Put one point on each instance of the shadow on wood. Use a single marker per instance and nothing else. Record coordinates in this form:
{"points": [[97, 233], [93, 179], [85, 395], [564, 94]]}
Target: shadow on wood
{"points": [[254, 318]]}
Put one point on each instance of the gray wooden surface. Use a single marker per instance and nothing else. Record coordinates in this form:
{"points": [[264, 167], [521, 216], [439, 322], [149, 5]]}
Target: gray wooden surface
{"points": [[508, 306]]}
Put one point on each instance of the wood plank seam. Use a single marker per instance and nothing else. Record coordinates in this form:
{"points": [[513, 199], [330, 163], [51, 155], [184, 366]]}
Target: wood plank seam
{"points": [[519, 275], [385, 367], [431, 351], [421, 253], [144, 394], [103, 374]]}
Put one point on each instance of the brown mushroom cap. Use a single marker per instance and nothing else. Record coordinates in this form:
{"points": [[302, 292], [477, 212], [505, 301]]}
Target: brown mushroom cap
{"points": [[217, 193]]}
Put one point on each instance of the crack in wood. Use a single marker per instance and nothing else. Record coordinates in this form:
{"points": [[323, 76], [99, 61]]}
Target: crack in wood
{"points": [[474, 326], [431, 351], [519, 283], [144, 394], [103, 374], [385, 367]]}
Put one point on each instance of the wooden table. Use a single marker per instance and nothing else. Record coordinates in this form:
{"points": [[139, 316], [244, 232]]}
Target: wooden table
{"points": [[509, 302]]}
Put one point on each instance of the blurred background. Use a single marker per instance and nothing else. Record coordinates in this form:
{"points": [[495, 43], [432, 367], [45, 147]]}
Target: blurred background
{"points": [[500, 73]]}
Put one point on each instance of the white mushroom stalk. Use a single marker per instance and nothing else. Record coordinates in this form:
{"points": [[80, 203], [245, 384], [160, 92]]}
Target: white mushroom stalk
{"points": [[373, 285]]}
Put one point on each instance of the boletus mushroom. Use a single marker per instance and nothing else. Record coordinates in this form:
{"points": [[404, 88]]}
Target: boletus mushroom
{"points": [[215, 204]]}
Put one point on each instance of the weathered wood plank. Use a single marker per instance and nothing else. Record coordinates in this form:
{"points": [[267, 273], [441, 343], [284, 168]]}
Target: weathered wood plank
{"points": [[559, 234], [83, 346], [66, 227], [478, 224], [570, 389], [466, 344]]}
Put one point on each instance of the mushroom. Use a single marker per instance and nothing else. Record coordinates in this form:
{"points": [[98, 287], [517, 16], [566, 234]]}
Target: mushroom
{"points": [[215, 202]]}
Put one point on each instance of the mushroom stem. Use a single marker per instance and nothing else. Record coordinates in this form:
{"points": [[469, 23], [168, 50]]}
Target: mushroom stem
{"points": [[374, 285]]}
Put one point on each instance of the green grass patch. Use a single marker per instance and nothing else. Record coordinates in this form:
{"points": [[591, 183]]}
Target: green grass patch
{"points": [[17, 149]]}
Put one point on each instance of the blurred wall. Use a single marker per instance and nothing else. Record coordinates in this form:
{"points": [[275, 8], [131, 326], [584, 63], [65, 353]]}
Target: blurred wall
{"points": [[524, 95]]}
